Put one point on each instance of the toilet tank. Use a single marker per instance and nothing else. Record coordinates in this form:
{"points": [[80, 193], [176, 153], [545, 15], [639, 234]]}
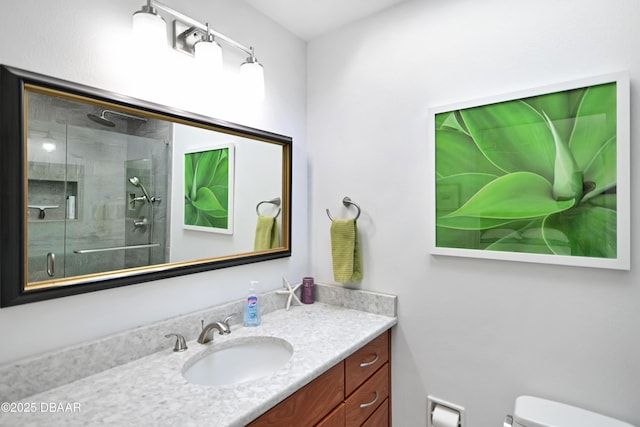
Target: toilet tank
{"points": [[535, 412]]}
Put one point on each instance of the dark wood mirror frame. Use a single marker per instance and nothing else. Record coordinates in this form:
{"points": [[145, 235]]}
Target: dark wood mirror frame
{"points": [[13, 218]]}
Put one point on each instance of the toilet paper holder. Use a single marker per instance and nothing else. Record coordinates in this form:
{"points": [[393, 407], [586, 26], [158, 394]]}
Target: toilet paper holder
{"points": [[444, 409]]}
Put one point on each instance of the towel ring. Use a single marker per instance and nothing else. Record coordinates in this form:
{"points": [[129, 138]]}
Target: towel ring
{"points": [[276, 201], [346, 202]]}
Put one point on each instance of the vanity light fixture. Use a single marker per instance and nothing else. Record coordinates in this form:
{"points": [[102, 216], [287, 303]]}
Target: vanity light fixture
{"points": [[208, 52], [252, 75], [198, 40], [49, 143], [149, 27]]}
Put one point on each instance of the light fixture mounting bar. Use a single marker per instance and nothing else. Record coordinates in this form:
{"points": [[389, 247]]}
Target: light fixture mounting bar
{"points": [[185, 37], [193, 25]]}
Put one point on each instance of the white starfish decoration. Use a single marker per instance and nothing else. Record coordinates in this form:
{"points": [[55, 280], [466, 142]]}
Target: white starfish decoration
{"points": [[291, 291]]}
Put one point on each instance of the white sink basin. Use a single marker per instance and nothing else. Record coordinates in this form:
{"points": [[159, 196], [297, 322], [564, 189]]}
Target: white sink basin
{"points": [[237, 361]]}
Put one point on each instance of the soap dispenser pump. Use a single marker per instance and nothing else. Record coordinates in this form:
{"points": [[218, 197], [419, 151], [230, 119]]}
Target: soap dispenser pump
{"points": [[252, 307]]}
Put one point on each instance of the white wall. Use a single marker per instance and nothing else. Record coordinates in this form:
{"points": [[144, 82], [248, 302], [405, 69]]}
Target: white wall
{"points": [[90, 43], [476, 333]]}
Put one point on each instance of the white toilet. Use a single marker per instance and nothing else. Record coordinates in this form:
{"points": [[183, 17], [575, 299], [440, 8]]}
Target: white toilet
{"points": [[535, 412]]}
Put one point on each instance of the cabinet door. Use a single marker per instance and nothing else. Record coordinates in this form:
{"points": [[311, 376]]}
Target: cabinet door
{"points": [[366, 399], [364, 362], [308, 405]]}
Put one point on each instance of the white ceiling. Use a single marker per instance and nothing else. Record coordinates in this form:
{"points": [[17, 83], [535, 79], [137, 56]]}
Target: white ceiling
{"points": [[311, 18]]}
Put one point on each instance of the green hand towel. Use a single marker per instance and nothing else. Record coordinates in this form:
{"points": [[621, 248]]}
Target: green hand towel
{"points": [[345, 249], [267, 236]]}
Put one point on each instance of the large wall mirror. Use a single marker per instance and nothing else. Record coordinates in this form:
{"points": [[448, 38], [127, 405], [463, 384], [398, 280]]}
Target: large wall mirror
{"points": [[100, 190]]}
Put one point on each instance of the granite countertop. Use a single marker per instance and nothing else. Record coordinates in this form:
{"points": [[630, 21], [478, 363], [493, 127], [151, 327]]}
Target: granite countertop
{"points": [[152, 391]]}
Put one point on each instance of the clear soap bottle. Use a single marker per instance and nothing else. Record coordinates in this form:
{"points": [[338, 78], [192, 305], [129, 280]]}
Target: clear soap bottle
{"points": [[252, 307]]}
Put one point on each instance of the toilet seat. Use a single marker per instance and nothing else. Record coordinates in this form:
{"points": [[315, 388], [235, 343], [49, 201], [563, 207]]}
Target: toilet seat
{"points": [[536, 412]]}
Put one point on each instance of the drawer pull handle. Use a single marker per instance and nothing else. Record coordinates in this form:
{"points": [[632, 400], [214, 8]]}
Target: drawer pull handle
{"points": [[366, 405], [373, 362]]}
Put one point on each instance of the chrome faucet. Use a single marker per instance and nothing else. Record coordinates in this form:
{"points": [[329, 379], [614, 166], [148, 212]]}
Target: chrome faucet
{"points": [[207, 331], [223, 327]]}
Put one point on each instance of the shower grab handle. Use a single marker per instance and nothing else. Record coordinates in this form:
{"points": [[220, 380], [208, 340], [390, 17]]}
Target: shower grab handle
{"points": [[51, 264], [116, 248]]}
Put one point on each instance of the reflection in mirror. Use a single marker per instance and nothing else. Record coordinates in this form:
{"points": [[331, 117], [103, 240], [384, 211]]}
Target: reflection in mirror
{"points": [[116, 191], [258, 176], [90, 168]]}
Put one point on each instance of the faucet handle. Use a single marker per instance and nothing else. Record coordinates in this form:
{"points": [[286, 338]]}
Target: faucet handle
{"points": [[181, 343], [226, 323]]}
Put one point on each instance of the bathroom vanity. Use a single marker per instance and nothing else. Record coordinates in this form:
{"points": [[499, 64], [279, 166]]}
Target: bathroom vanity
{"points": [[355, 392], [339, 362]]}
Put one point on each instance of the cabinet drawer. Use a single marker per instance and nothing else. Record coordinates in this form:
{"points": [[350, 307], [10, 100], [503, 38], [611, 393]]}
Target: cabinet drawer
{"points": [[380, 418], [334, 419], [364, 362], [309, 404], [366, 399]]}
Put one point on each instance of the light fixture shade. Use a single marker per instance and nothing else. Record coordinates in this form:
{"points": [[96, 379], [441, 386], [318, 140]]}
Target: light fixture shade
{"points": [[49, 147], [252, 78], [209, 55], [149, 28], [49, 143]]}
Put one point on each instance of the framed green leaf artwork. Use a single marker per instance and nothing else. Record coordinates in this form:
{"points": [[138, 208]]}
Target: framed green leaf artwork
{"points": [[536, 176], [208, 189]]}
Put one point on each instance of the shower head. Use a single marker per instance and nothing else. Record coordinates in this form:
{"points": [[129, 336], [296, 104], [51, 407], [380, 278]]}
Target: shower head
{"points": [[102, 120], [136, 182]]}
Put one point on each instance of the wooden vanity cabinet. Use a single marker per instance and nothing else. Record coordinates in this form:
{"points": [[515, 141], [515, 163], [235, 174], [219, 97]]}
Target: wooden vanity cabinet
{"points": [[337, 417], [381, 417], [354, 393], [310, 404], [368, 383]]}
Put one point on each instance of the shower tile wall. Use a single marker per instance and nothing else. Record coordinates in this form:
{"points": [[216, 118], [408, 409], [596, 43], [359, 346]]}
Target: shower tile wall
{"points": [[101, 202], [149, 152]]}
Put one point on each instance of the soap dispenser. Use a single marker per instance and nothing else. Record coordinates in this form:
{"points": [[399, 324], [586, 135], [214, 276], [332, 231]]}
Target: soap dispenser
{"points": [[252, 307]]}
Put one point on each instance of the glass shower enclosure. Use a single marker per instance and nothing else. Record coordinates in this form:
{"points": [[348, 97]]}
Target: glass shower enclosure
{"points": [[97, 189]]}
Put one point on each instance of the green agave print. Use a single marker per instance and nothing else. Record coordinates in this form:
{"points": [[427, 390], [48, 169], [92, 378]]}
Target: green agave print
{"points": [[535, 175], [206, 188]]}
